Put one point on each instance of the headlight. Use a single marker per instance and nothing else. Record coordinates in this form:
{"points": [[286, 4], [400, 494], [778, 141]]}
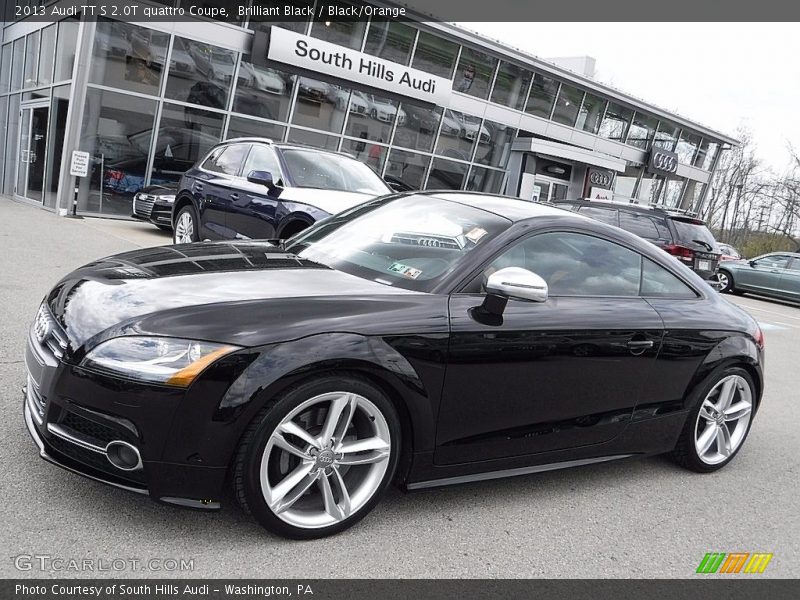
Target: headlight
{"points": [[168, 198], [169, 361]]}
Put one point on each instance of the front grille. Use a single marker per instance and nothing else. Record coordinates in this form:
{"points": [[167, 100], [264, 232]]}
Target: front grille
{"points": [[91, 429], [48, 333], [35, 400], [95, 460], [143, 204]]}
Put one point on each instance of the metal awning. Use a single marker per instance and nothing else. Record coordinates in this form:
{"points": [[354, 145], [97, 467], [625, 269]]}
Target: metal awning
{"points": [[556, 150]]}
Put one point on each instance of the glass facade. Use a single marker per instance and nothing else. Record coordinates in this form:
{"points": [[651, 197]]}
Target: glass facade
{"points": [[157, 101]]}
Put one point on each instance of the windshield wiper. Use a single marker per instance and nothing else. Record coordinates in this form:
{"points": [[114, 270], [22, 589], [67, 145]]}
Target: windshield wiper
{"points": [[706, 245]]}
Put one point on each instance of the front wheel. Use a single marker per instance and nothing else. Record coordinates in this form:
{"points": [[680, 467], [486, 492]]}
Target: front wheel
{"points": [[316, 461], [717, 426], [726, 282], [186, 227]]}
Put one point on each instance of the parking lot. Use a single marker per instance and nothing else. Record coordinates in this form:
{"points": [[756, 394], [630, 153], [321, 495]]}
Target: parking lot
{"points": [[637, 518]]}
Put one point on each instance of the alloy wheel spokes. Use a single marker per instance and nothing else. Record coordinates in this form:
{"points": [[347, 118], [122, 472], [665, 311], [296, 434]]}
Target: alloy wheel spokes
{"points": [[738, 410], [723, 419], [724, 440], [707, 438]]}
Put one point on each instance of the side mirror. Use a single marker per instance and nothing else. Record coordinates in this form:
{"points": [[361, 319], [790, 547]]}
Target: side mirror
{"points": [[517, 283], [752, 263], [264, 178]]}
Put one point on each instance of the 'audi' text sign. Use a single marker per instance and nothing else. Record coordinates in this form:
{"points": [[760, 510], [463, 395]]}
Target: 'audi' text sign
{"points": [[319, 56], [663, 161]]}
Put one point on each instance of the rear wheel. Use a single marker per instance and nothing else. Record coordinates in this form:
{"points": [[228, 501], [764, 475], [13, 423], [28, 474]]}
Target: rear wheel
{"points": [[186, 227], [317, 460], [717, 426], [726, 282]]}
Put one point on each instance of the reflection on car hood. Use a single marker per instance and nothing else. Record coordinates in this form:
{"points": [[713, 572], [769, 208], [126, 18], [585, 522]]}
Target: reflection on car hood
{"points": [[117, 290], [331, 201]]}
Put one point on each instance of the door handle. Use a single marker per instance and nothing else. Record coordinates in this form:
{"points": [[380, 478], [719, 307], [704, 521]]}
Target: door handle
{"points": [[638, 347], [234, 196]]}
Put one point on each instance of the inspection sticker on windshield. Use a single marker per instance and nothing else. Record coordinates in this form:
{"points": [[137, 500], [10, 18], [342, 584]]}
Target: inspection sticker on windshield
{"points": [[405, 270], [475, 234]]}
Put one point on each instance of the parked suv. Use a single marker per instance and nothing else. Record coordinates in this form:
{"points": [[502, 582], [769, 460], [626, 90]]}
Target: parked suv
{"points": [[254, 188], [679, 233]]}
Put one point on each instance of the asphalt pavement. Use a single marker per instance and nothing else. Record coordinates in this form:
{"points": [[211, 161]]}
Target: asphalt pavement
{"points": [[635, 518]]}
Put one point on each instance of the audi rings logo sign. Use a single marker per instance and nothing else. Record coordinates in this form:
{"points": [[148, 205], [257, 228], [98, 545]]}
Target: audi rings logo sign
{"points": [[663, 161], [600, 179]]}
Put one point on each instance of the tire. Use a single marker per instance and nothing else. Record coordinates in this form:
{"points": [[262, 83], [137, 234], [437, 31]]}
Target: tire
{"points": [[187, 218], [264, 469], [687, 452], [726, 279]]}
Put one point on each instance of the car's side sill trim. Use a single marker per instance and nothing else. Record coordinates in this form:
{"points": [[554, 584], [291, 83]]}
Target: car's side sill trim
{"points": [[512, 472]]}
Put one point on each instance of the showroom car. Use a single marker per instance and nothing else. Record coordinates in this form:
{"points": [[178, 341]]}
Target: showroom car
{"points": [[679, 233], [776, 275], [426, 339], [252, 188], [154, 203]]}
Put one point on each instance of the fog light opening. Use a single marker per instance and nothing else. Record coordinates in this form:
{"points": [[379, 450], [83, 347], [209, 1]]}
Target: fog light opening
{"points": [[123, 455]]}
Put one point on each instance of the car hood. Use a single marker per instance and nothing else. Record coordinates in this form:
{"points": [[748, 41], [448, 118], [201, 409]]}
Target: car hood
{"points": [[238, 293], [331, 201], [160, 189]]}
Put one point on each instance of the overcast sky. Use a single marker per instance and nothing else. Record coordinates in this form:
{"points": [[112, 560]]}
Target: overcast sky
{"points": [[718, 74]]}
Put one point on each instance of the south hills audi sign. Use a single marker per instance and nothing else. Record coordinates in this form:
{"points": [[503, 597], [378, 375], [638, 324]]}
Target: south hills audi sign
{"points": [[663, 161], [318, 56]]}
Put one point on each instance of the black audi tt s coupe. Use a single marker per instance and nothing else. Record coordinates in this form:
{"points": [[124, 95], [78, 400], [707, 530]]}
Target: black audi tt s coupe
{"points": [[424, 339]]}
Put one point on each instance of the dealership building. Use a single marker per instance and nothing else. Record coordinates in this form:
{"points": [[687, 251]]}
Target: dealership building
{"points": [[428, 105]]}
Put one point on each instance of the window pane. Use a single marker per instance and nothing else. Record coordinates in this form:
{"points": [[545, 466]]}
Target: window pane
{"points": [[435, 55], [625, 183], [18, 62], [446, 175], [5, 68], [458, 134], [407, 167], [666, 136], [298, 26], [672, 195], [692, 195], [390, 40], [641, 225], [687, 147], [65, 50], [56, 132], [341, 33], [116, 131], [591, 113], [573, 264], [495, 148], [567, 105], [231, 158], [474, 73], [485, 180], [128, 57], [419, 127], [46, 55], [263, 91], [185, 135], [31, 61], [11, 141], [201, 73], [642, 130], [239, 127], [706, 154], [615, 123], [511, 85], [3, 127], [658, 282], [312, 138], [371, 116], [320, 105], [369, 153], [543, 93], [262, 158]]}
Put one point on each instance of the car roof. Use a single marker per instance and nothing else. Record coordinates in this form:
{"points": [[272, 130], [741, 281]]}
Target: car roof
{"points": [[509, 207], [646, 209], [263, 140]]}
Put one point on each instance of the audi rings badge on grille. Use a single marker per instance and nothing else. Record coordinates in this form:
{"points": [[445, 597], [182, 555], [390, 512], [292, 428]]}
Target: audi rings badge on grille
{"points": [[42, 325]]}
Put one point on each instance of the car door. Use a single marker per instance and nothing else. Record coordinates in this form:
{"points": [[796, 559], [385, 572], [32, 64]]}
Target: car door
{"points": [[253, 211], [789, 283], [219, 190], [550, 375], [762, 274]]}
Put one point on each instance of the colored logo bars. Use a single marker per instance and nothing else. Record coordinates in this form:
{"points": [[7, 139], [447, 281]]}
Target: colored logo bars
{"points": [[734, 562]]}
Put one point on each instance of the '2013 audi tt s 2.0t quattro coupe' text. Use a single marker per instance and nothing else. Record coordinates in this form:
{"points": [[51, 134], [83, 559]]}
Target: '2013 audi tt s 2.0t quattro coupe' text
{"points": [[422, 339]]}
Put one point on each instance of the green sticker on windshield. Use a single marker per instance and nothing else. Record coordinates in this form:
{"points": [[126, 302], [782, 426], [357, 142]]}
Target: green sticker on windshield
{"points": [[405, 270]]}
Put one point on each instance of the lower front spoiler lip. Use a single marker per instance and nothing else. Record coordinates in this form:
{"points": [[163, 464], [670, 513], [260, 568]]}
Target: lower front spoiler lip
{"points": [[37, 438]]}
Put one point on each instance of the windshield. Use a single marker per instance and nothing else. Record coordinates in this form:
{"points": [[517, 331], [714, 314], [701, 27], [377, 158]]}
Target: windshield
{"points": [[311, 169], [411, 242], [691, 231]]}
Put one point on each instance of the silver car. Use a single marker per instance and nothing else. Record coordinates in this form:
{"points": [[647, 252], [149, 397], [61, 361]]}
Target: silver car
{"points": [[776, 274]]}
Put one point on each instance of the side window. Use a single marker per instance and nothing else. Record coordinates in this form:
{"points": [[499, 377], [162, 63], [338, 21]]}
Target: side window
{"points": [[657, 282], [575, 264], [776, 261], [641, 225], [231, 159], [262, 158], [795, 264], [209, 164], [604, 215]]}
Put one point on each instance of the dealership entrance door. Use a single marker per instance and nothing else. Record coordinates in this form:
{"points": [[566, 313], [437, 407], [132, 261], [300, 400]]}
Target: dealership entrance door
{"points": [[32, 155]]}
